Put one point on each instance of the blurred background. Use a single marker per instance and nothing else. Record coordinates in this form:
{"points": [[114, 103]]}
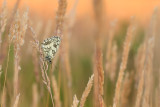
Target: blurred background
{"points": [[114, 9], [116, 18]]}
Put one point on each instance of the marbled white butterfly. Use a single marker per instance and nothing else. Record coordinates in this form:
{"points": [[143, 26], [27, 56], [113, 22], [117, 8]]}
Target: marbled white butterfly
{"points": [[50, 46]]}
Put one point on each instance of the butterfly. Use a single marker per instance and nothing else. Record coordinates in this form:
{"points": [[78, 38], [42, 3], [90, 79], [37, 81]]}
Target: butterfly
{"points": [[50, 46]]}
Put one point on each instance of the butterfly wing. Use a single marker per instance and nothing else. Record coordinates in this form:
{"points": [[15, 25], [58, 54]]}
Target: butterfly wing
{"points": [[50, 47]]}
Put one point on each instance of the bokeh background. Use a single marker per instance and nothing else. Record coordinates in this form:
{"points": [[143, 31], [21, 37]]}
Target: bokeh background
{"points": [[42, 15], [120, 9]]}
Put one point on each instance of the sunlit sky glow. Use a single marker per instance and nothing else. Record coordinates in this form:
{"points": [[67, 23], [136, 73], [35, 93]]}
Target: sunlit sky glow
{"points": [[116, 9]]}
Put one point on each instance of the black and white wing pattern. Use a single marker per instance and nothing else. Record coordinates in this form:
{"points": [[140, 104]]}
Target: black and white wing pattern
{"points": [[50, 46]]}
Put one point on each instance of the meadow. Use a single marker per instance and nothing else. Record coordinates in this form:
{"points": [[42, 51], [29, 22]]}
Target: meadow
{"points": [[99, 62]]}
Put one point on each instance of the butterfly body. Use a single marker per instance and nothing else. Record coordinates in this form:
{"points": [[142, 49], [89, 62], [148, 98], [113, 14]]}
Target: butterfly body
{"points": [[50, 46]]}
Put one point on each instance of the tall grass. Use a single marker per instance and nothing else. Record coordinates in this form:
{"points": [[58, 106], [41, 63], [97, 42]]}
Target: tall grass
{"points": [[27, 79], [127, 44]]}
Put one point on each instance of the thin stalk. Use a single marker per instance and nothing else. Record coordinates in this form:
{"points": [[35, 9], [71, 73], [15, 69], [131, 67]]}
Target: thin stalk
{"points": [[5, 78]]}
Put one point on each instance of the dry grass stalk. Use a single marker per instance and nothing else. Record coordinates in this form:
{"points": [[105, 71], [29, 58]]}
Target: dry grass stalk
{"points": [[18, 28], [65, 85], [158, 99], [113, 62], [15, 30], [70, 17], [141, 80], [46, 80], [3, 20], [126, 91], [3, 99], [65, 58], [101, 101], [17, 33], [109, 57], [147, 100], [158, 93], [96, 90], [3, 53], [43, 64], [36, 64], [75, 101], [98, 10], [37, 32], [99, 68], [0, 73], [147, 69], [11, 18], [16, 69], [66, 67], [6, 71], [140, 90], [148, 75], [99, 76], [35, 56], [145, 76], [62, 5], [68, 25], [139, 61], [157, 102], [0, 70], [16, 101], [86, 91], [5, 43], [56, 92], [64, 52], [127, 44], [157, 96], [35, 95]]}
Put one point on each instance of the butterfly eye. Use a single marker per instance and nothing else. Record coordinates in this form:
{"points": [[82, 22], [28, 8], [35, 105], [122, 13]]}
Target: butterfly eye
{"points": [[50, 61]]}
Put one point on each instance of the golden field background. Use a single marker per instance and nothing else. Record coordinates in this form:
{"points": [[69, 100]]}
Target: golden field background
{"points": [[119, 9], [116, 40]]}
